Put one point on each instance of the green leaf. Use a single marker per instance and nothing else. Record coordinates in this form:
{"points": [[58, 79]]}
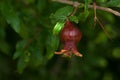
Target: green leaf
{"points": [[23, 31], [17, 54], [83, 16], [88, 1], [59, 25], [114, 3], [21, 65], [10, 15], [19, 49], [26, 56], [23, 61], [86, 4], [36, 54], [62, 13], [74, 19], [52, 45]]}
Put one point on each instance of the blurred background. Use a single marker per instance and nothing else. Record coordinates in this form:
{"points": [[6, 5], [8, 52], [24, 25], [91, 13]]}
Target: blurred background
{"points": [[27, 43]]}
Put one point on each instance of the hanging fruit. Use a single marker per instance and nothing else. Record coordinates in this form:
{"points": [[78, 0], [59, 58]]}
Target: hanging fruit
{"points": [[70, 35]]}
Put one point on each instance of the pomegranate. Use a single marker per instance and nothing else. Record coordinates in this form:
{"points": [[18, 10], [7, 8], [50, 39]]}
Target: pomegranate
{"points": [[70, 36]]}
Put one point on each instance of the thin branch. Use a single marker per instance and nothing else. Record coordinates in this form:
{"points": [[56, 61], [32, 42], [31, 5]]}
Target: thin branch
{"points": [[95, 15], [101, 25], [74, 11], [90, 6], [96, 20]]}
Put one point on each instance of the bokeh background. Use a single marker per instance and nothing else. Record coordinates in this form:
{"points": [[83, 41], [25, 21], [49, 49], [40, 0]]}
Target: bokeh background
{"points": [[27, 43]]}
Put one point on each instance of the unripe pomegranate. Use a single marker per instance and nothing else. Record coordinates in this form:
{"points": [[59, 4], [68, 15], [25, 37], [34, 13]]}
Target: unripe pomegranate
{"points": [[70, 36]]}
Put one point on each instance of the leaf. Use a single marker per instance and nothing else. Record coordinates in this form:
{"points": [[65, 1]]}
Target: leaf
{"points": [[86, 4], [10, 16], [23, 31], [74, 19], [26, 56], [17, 54], [21, 65], [88, 1], [36, 54], [113, 3], [83, 16], [52, 45], [62, 13], [59, 25], [19, 49], [23, 61]]}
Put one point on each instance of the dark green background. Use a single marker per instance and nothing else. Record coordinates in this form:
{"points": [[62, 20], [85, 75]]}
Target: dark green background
{"points": [[27, 44]]}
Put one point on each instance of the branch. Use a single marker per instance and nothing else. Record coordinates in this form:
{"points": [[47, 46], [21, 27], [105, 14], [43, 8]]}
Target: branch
{"points": [[76, 4]]}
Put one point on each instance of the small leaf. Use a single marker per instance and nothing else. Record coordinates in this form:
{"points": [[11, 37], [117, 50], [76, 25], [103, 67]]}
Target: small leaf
{"points": [[10, 16], [52, 45], [23, 31], [27, 55], [62, 13], [74, 19], [114, 3], [58, 27], [86, 4], [23, 61], [19, 49], [21, 65], [83, 16], [81, 6], [17, 54], [36, 54]]}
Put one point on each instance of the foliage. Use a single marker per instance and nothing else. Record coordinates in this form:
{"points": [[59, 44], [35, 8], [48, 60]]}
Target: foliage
{"points": [[29, 36]]}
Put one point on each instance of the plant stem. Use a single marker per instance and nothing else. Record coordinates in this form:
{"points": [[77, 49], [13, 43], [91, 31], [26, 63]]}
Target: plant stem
{"points": [[89, 6]]}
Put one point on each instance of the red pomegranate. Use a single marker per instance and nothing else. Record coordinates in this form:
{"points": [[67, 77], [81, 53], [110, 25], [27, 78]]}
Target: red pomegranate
{"points": [[70, 36]]}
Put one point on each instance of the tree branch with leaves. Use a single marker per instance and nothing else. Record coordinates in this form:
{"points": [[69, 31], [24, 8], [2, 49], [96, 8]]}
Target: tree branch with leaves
{"points": [[76, 4]]}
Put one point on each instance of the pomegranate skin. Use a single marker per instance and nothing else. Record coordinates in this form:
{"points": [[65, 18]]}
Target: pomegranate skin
{"points": [[71, 33], [70, 36]]}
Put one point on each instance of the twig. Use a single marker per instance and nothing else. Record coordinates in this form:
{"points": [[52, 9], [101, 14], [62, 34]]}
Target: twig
{"points": [[89, 6], [96, 20], [95, 15], [74, 11], [101, 25]]}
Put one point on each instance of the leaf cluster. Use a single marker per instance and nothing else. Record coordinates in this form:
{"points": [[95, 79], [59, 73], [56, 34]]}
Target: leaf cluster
{"points": [[29, 36]]}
